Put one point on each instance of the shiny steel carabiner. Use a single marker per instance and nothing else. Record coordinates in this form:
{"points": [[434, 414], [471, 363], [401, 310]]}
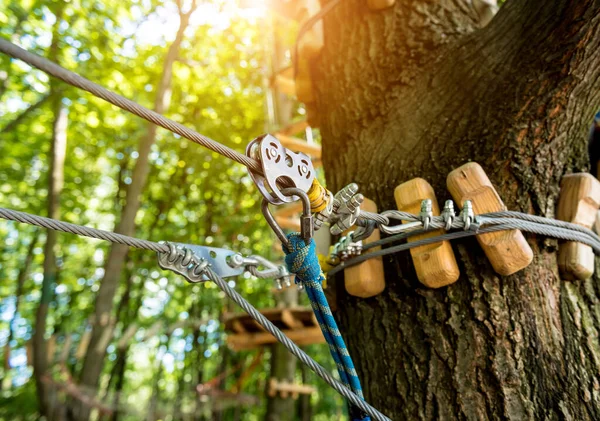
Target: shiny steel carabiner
{"points": [[306, 220]]}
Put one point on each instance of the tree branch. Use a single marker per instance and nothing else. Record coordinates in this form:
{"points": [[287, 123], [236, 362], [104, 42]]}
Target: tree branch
{"points": [[11, 125]]}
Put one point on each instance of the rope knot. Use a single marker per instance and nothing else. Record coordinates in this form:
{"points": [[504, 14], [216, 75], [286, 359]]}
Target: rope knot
{"points": [[302, 260]]}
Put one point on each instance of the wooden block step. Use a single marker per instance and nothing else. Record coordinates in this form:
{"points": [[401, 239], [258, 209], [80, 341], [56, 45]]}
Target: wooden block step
{"points": [[507, 251]]}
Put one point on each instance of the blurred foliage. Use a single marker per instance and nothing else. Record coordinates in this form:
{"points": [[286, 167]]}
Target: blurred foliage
{"points": [[192, 196]]}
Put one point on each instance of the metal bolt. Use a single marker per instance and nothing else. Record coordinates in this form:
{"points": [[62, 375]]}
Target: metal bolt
{"points": [[426, 213], [467, 214], [448, 214], [355, 202]]}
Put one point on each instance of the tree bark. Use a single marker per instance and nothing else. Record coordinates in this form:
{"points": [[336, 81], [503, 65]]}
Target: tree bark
{"points": [[420, 90], [94, 360]]}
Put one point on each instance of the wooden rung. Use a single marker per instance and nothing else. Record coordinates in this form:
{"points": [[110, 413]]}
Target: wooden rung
{"points": [[293, 209], [507, 251], [237, 326], [127, 335], [367, 278], [299, 145], [578, 203], [246, 341], [287, 317], [288, 223], [435, 264], [285, 389], [294, 128], [380, 4]]}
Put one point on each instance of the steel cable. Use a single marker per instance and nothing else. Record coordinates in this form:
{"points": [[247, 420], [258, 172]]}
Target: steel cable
{"points": [[492, 225], [80, 82], [53, 224], [294, 349]]}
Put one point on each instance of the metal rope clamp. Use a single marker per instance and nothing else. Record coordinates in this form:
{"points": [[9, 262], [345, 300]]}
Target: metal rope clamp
{"points": [[346, 208], [192, 262], [347, 247], [280, 166]]}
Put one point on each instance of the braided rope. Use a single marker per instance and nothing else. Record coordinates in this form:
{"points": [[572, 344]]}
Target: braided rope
{"points": [[294, 349], [302, 260]]}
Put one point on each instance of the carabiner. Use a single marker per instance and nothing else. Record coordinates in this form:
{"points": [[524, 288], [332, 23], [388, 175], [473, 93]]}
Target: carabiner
{"points": [[306, 221]]}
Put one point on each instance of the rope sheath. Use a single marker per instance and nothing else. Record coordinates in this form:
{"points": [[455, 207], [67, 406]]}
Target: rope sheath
{"points": [[302, 260]]}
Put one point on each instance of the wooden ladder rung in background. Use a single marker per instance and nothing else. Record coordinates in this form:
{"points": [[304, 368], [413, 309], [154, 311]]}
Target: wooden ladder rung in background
{"points": [[299, 145]]}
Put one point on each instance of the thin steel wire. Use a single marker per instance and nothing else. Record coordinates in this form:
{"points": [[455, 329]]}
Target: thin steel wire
{"points": [[53, 224], [294, 349], [80, 82]]}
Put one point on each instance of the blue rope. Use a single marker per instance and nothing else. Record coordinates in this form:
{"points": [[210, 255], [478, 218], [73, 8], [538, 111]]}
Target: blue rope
{"points": [[302, 260]]}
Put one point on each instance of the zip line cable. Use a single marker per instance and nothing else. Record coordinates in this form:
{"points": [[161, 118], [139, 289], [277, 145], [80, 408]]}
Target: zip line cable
{"points": [[40, 221], [43, 222], [486, 223], [80, 82]]}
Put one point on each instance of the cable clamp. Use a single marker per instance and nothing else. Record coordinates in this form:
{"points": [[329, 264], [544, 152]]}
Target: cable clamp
{"points": [[426, 213], [448, 214], [467, 216], [346, 208]]}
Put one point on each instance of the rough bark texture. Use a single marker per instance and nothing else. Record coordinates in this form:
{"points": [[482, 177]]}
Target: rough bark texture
{"points": [[116, 258], [419, 90]]}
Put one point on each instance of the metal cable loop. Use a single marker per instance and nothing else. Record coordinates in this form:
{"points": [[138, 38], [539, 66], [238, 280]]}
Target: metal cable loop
{"points": [[493, 226], [126, 104]]}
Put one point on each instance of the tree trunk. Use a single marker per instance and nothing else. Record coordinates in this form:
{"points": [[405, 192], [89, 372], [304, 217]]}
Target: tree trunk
{"points": [[283, 368], [94, 360], [10, 126], [21, 277], [420, 90], [55, 184]]}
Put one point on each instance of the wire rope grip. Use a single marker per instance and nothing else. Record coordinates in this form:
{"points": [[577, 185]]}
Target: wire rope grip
{"points": [[346, 209], [578, 203], [435, 264], [193, 262], [507, 251], [366, 279]]}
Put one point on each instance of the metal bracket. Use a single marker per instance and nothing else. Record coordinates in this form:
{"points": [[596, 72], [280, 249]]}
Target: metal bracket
{"points": [[278, 164], [192, 261]]}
